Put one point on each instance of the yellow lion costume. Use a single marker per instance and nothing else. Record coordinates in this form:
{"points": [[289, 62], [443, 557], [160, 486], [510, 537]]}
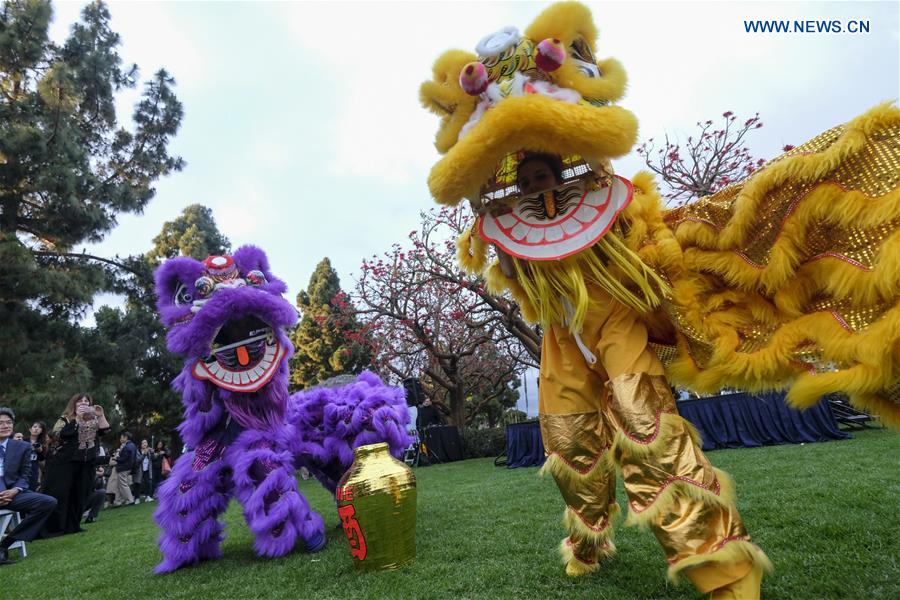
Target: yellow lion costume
{"points": [[787, 280]]}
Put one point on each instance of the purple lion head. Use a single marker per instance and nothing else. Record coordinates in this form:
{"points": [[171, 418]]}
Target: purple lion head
{"points": [[227, 317]]}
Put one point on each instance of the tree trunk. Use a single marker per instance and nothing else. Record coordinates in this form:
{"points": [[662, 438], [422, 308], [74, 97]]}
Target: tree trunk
{"points": [[458, 407]]}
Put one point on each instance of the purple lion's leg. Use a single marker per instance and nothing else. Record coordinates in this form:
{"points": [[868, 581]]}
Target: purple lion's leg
{"points": [[190, 502], [277, 513]]}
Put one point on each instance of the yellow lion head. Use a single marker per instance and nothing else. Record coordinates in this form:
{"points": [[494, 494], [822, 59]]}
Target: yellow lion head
{"points": [[541, 92], [540, 96]]}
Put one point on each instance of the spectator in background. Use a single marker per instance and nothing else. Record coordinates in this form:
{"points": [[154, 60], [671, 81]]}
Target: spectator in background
{"points": [[124, 458], [145, 484], [427, 415], [98, 496], [112, 484], [18, 436], [160, 456], [70, 468], [15, 467], [38, 439]]}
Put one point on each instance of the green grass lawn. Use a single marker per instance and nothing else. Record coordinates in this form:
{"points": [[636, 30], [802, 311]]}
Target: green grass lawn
{"points": [[826, 514]]}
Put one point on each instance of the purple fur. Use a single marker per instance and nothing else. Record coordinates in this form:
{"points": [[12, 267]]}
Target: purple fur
{"points": [[264, 482], [249, 444], [189, 505], [263, 409], [193, 337], [249, 258], [332, 422]]}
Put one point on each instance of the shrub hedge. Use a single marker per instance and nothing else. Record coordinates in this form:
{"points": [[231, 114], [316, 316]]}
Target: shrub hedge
{"points": [[483, 443]]}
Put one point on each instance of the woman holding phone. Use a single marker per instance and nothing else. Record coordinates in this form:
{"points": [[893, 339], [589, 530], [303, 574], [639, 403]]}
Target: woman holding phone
{"points": [[70, 467]]}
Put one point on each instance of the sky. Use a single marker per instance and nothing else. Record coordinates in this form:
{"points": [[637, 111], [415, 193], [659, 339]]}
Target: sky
{"points": [[304, 134]]}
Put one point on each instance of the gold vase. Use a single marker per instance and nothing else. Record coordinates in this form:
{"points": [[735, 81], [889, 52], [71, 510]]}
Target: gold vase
{"points": [[376, 501]]}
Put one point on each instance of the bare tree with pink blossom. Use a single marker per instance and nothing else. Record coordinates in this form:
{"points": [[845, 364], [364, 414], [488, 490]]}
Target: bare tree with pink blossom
{"points": [[427, 318], [708, 161]]}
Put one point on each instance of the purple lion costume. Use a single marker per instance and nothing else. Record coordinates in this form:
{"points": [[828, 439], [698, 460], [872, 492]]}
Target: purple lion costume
{"points": [[227, 317]]}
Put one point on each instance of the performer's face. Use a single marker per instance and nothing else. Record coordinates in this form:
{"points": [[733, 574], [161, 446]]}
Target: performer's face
{"points": [[535, 176]]}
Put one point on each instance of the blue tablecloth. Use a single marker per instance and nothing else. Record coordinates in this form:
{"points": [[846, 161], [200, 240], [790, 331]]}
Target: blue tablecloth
{"points": [[524, 447], [728, 421], [750, 420]]}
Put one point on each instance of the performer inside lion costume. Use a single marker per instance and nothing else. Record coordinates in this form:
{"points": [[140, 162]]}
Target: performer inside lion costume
{"points": [[786, 280]]}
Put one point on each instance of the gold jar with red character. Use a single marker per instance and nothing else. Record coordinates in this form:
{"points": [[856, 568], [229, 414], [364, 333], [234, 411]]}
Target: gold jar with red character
{"points": [[376, 501]]}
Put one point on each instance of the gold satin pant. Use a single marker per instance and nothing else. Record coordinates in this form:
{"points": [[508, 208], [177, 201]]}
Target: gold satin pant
{"points": [[605, 404]]}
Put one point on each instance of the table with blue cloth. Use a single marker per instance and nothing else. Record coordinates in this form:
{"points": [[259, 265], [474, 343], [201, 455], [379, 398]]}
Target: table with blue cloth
{"points": [[727, 421], [751, 420], [524, 447]]}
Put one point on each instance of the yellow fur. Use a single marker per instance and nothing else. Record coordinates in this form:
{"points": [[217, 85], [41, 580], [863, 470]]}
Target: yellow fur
{"points": [[669, 425], [564, 21], [565, 475], [445, 98], [575, 567], [554, 126], [567, 21], [498, 283], [471, 251], [802, 167], [609, 264], [825, 204]]}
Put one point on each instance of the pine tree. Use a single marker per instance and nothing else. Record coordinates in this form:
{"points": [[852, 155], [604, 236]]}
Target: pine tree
{"points": [[67, 169], [143, 369], [329, 340], [193, 234]]}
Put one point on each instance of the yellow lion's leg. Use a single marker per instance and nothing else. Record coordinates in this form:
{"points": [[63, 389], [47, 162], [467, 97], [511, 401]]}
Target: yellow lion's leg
{"points": [[675, 491], [578, 458], [672, 487]]}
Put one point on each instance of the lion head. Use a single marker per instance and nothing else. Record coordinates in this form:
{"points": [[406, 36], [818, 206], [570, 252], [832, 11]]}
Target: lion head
{"points": [[541, 92], [540, 96], [227, 317]]}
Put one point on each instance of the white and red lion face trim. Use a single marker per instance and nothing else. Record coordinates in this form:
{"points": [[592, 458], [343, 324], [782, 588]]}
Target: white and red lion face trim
{"points": [[559, 222]]}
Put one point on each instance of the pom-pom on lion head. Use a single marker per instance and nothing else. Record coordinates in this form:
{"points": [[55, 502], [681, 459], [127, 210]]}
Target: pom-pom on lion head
{"points": [[538, 92]]}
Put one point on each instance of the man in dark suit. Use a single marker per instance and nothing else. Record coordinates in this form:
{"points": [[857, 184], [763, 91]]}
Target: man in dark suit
{"points": [[15, 467], [427, 415]]}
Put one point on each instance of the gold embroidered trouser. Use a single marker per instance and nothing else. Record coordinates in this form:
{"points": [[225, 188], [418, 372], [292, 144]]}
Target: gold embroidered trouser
{"points": [[604, 401]]}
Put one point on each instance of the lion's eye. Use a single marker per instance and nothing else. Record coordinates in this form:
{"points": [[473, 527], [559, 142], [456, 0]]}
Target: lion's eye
{"points": [[182, 295], [584, 59], [588, 69], [256, 278]]}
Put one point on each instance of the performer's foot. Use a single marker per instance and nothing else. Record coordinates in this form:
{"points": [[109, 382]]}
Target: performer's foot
{"points": [[576, 566], [745, 588], [316, 542]]}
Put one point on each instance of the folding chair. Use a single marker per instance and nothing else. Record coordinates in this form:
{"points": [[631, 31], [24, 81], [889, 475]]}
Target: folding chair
{"points": [[412, 453], [9, 520]]}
